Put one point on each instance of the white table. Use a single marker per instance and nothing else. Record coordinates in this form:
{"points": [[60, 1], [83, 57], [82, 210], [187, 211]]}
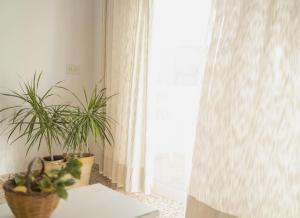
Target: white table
{"points": [[96, 201]]}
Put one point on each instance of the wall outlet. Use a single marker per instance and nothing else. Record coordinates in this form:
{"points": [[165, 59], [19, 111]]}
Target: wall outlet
{"points": [[73, 69]]}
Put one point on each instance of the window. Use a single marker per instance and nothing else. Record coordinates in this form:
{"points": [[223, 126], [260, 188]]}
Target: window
{"points": [[176, 65]]}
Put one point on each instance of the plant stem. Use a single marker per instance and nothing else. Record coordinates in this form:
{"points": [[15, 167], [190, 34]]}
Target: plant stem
{"points": [[51, 155], [80, 151]]}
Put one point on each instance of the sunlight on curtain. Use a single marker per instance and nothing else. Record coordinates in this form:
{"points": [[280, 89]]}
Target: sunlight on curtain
{"points": [[126, 61], [246, 158], [176, 64]]}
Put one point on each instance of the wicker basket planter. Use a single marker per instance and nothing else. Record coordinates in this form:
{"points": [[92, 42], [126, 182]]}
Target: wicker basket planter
{"points": [[87, 161], [36, 194], [30, 204], [57, 163], [34, 205], [87, 164]]}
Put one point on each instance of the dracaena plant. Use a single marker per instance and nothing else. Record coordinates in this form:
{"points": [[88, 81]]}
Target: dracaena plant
{"points": [[87, 120], [33, 119]]}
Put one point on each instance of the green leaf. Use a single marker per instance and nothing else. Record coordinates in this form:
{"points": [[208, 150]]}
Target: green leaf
{"points": [[73, 167], [69, 182], [45, 182], [53, 173], [61, 190], [19, 180]]}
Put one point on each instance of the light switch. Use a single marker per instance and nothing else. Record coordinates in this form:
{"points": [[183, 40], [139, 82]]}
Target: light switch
{"points": [[73, 69]]}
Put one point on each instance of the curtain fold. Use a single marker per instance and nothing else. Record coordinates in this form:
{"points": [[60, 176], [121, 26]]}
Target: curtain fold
{"points": [[246, 157], [127, 27]]}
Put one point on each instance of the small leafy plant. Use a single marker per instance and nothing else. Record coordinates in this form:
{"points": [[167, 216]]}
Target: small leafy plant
{"points": [[54, 181]]}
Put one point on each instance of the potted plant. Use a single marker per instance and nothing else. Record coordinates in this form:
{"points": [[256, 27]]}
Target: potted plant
{"points": [[36, 194], [87, 120], [32, 118]]}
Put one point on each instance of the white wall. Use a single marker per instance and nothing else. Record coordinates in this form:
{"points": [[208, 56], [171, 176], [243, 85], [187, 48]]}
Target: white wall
{"points": [[45, 36]]}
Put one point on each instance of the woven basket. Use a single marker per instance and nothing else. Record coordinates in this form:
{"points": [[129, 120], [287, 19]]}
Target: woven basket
{"points": [[58, 163], [87, 164], [87, 161], [30, 204]]}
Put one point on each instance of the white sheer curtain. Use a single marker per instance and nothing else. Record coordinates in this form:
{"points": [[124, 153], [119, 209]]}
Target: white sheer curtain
{"points": [[156, 118], [127, 25], [246, 158], [176, 65]]}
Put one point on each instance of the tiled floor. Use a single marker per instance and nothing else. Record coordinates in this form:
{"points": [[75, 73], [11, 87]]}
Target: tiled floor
{"points": [[167, 208]]}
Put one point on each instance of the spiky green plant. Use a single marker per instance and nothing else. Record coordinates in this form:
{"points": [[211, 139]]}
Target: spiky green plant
{"points": [[31, 118], [88, 119]]}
